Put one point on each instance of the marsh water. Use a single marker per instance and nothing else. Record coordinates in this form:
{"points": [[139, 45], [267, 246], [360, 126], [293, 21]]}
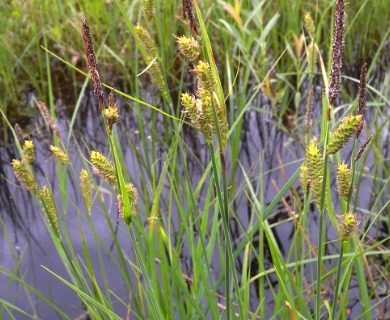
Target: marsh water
{"points": [[268, 147]]}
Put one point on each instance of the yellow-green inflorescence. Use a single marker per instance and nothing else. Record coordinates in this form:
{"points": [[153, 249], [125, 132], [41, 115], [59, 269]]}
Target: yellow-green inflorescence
{"points": [[347, 226], [28, 151], [103, 167], [343, 180], [188, 47], [50, 209], [343, 133], [315, 167], [85, 187], [59, 154], [145, 41], [25, 176]]}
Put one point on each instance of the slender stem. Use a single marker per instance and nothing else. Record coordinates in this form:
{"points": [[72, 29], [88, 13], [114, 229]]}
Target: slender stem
{"points": [[321, 227], [225, 225], [337, 285]]}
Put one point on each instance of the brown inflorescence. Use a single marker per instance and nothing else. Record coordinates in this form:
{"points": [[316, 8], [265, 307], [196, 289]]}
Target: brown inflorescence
{"points": [[362, 99], [337, 52], [92, 65]]}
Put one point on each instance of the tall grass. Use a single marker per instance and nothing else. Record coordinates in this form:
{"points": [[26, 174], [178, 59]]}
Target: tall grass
{"points": [[175, 250]]}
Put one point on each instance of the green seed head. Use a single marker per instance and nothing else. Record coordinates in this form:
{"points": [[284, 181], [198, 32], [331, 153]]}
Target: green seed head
{"points": [[347, 226], [59, 154], [102, 167], [343, 133], [343, 180], [25, 176], [49, 207], [315, 166], [28, 151], [188, 47], [85, 187]]}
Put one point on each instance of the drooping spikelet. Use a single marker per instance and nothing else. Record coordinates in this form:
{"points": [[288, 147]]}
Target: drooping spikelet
{"points": [[59, 154], [315, 166], [24, 175], [49, 207], [337, 52], [188, 47], [92, 65], [343, 133], [102, 167], [85, 187], [348, 224], [362, 98], [146, 42], [363, 147], [343, 180], [46, 115], [148, 9], [111, 112], [28, 151]]}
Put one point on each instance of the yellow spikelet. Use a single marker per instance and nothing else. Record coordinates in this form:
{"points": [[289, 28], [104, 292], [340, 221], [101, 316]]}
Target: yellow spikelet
{"points": [[59, 154], [28, 151], [85, 187], [188, 47], [102, 167], [49, 207], [146, 42], [315, 166], [25, 176], [343, 180], [343, 133], [348, 224]]}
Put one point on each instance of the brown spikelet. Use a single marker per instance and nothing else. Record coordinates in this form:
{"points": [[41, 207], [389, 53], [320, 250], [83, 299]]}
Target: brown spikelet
{"points": [[337, 52], [46, 115], [362, 98], [363, 148], [92, 65], [19, 134], [188, 14]]}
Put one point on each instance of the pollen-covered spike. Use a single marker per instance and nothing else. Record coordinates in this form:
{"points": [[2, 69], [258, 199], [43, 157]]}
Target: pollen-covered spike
{"points": [[85, 187], [102, 167], [348, 224], [315, 165], [49, 206], [188, 47], [343, 180], [59, 154], [24, 175], [343, 133]]}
